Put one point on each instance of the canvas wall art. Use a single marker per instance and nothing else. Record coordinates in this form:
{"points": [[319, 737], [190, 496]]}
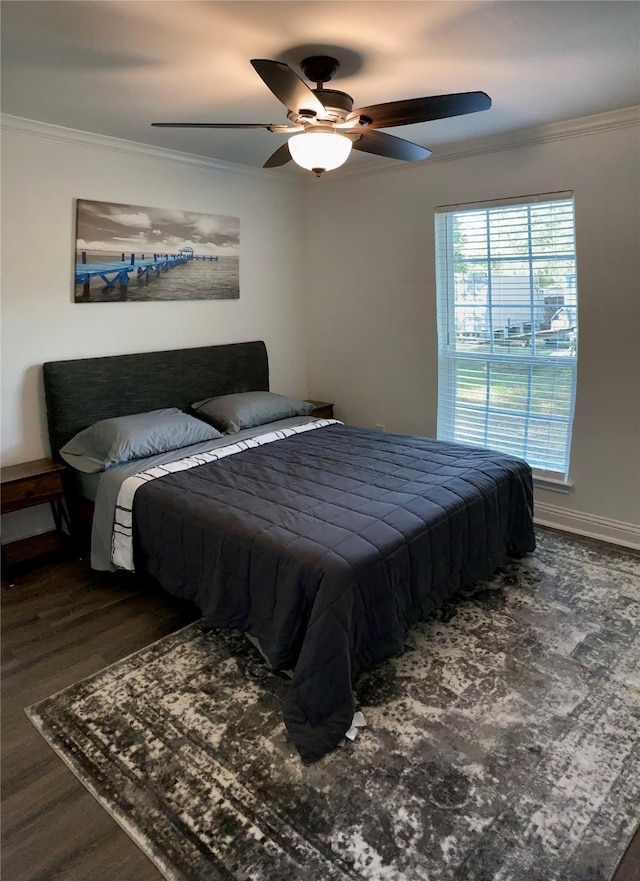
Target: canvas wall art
{"points": [[130, 253]]}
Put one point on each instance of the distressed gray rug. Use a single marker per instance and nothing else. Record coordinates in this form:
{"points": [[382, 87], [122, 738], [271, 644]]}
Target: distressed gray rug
{"points": [[504, 743]]}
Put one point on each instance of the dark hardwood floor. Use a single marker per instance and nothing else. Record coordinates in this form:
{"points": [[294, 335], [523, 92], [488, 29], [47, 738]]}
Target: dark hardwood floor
{"points": [[60, 623]]}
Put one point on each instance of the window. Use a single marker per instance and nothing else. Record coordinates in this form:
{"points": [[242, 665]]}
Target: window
{"points": [[508, 328]]}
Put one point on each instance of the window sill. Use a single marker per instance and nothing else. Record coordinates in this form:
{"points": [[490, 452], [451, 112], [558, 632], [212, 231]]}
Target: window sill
{"points": [[550, 483]]}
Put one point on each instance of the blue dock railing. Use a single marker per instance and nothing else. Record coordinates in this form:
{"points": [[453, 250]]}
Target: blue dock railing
{"points": [[118, 271]]}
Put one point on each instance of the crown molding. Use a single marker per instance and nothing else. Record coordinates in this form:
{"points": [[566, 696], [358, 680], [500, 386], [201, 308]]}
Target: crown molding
{"points": [[613, 120], [46, 131], [598, 123]]}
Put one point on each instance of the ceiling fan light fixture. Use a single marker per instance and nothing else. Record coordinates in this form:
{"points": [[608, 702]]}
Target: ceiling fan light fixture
{"points": [[320, 151]]}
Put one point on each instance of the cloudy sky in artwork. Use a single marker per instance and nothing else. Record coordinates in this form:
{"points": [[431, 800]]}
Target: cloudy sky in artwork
{"points": [[109, 227]]}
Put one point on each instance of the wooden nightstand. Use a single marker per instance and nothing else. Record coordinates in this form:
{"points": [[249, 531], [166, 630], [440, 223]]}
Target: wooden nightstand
{"points": [[321, 409], [24, 486]]}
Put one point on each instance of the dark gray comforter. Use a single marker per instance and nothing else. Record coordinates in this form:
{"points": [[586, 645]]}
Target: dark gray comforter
{"points": [[327, 546]]}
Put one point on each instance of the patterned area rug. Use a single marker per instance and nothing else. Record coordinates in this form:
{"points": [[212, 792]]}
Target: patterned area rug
{"points": [[503, 744]]}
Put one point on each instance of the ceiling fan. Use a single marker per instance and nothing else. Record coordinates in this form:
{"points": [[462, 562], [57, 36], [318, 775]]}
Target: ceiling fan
{"points": [[324, 126]]}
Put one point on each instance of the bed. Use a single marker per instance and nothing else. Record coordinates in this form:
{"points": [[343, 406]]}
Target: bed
{"points": [[323, 542]]}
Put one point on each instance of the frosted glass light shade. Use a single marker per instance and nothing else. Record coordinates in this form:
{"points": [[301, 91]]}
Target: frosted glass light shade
{"points": [[319, 151]]}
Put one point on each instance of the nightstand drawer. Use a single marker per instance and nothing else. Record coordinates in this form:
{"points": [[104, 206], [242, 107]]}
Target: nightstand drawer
{"points": [[31, 491]]}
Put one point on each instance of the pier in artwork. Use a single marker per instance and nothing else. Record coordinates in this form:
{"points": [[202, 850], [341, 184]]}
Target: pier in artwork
{"points": [[118, 272]]}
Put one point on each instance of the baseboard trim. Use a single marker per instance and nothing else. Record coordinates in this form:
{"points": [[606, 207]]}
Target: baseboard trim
{"points": [[590, 525]]}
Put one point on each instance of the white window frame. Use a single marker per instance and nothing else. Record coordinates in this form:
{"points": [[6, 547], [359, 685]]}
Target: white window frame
{"points": [[449, 353]]}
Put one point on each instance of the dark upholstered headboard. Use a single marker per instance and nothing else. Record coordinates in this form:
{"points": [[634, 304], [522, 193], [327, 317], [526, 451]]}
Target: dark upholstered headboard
{"points": [[81, 392]]}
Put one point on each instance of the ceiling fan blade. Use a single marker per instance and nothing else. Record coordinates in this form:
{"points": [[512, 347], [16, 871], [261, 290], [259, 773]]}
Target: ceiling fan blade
{"points": [[266, 125], [287, 86], [382, 144], [280, 157], [415, 110]]}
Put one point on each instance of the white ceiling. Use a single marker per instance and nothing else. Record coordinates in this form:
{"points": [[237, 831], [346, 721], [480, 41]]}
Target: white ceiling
{"points": [[114, 67]]}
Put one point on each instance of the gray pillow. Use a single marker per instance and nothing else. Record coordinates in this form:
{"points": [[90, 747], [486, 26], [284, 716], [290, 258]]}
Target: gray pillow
{"points": [[123, 438], [230, 413]]}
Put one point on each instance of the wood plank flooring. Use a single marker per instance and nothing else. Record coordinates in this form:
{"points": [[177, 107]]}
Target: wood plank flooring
{"points": [[62, 622]]}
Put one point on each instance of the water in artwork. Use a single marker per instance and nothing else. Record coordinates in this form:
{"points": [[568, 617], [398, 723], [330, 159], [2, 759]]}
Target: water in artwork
{"points": [[192, 280]]}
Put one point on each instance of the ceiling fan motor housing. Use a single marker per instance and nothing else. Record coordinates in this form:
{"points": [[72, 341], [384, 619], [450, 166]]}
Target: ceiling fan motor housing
{"points": [[338, 105]]}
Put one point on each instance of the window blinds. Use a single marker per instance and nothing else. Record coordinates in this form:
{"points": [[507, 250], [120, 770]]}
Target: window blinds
{"points": [[508, 327]]}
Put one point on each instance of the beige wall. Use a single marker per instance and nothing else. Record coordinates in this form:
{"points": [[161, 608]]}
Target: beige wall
{"points": [[337, 276], [42, 176], [371, 307]]}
